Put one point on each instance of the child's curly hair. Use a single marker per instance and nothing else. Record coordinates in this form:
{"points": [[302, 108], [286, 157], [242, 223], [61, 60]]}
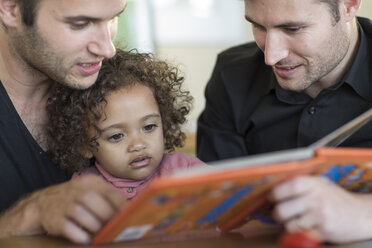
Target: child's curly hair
{"points": [[71, 112]]}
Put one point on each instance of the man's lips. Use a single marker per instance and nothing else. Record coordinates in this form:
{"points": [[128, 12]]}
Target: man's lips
{"points": [[140, 162], [88, 69], [285, 71]]}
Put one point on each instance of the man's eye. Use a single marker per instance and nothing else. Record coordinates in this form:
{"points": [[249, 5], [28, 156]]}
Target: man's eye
{"points": [[258, 27], [293, 30], [79, 25], [149, 127], [116, 137]]}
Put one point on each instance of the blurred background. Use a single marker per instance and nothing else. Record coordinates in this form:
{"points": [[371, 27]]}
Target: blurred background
{"points": [[189, 34]]}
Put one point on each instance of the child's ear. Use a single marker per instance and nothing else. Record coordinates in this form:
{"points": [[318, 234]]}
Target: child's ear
{"points": [[86, 153]]}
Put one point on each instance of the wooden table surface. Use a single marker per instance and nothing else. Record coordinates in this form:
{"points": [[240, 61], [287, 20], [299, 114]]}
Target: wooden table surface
{"points": [[252, 235]]}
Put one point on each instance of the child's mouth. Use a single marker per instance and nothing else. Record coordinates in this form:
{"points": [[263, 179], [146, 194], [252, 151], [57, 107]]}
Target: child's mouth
{"points": [[140, 162]]}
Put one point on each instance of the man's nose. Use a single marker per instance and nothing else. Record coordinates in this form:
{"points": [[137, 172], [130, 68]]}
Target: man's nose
{"points": [[275, 48], [102, 45]]}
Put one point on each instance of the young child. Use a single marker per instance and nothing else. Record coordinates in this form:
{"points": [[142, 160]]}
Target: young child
{"points": [[121, 126]]}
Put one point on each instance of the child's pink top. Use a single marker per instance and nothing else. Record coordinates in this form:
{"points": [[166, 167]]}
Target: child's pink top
{"points": [[130, 188]]}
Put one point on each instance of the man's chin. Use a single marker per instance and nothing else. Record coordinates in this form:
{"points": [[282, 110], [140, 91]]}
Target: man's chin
{"points": [[80, 84], [291, 86]]}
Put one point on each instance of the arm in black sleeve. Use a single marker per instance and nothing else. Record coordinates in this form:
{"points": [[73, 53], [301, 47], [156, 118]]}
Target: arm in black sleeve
{"points": [[217, 137], [239, 80]]}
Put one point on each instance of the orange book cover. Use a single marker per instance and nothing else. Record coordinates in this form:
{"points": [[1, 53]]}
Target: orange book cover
{"points": [[228, 193], [223, 200]]}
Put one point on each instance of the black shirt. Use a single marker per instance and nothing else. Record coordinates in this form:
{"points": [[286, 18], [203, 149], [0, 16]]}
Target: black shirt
{"points": [[25, 167], [247, 112]]}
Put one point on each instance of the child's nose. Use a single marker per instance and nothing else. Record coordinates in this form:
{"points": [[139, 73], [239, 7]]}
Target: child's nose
{"points": [[136, 145]]}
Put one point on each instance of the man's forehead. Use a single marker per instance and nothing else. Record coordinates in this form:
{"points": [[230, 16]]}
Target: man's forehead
{"points": [[92, 8], [282, 11]]}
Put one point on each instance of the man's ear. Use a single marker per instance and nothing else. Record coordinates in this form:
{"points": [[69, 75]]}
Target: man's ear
{"points": [[350, 8], [10, 13]]}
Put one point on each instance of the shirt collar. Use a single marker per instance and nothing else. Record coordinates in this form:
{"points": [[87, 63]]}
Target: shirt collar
{"points": [[121, 182], [358, 74], [288, 96]]}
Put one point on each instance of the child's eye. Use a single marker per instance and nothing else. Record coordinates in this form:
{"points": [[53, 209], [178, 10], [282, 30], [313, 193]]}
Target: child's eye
{"points": [[149, 128], [116, 137]]}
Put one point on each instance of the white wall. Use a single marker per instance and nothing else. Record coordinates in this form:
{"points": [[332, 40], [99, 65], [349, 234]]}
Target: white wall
{"points": [[196, 62], [192, 39], [366, 9]]}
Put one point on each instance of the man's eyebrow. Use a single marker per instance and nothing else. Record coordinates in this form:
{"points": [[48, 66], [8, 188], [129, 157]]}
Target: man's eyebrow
{"points": [[88, 18], [282, 25], [80, 18]]}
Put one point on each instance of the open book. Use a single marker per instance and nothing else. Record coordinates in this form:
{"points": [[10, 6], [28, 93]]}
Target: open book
{"points": [[223, 196]]}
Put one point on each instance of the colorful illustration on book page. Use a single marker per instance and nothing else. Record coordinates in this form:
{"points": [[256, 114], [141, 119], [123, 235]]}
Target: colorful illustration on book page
{"points": [[356, 177]]}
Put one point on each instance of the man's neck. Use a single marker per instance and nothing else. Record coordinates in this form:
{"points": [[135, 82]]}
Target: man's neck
{"points": [[28, 90]]}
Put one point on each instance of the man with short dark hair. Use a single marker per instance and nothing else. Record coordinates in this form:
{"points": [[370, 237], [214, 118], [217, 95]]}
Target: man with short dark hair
{"points": [[41, 42], [308, 73]]}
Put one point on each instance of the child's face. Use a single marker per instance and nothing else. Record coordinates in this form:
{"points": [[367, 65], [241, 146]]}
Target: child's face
{"points": [[131, 145]]}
